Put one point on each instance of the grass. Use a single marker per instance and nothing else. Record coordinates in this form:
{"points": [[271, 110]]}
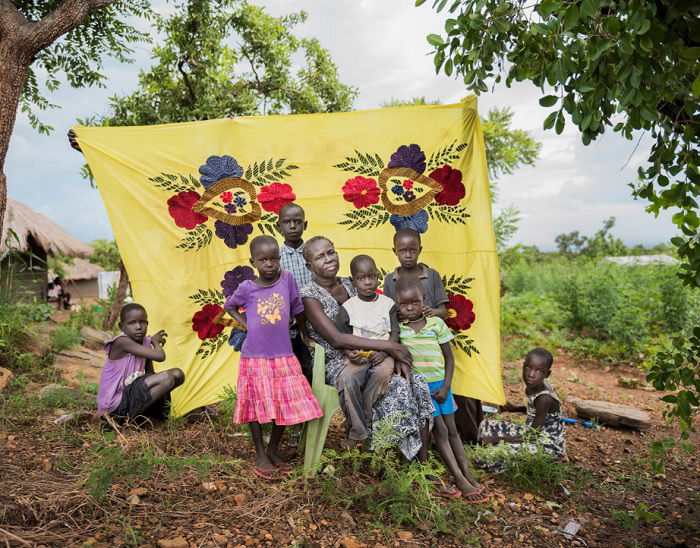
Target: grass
{"points": [[65, 338], [396, 494], [110, 464], [537, 473]]}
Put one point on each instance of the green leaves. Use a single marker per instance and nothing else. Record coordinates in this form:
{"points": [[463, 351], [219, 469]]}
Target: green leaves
{"points": [[435, 40], [548, 100], [571, 16]]}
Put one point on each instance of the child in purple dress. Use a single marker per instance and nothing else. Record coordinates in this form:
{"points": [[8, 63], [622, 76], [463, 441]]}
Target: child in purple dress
{"points": [[128, 384], [271, 386]]}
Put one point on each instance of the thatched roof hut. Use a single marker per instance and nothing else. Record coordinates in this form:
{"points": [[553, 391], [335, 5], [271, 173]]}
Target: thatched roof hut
{"points": [[29, 225], [23, 259], [79, 270]]}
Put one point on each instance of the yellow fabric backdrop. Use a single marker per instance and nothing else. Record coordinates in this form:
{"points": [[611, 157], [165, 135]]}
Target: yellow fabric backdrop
{"points": [[178, 249]]}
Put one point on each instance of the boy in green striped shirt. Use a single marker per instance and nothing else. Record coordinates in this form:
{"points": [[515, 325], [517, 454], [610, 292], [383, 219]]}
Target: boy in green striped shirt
{"points": [[428, 341]]}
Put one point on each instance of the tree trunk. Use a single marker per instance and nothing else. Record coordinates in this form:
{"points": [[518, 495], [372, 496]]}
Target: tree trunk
{"points": [[111, 318], [13, 72]]}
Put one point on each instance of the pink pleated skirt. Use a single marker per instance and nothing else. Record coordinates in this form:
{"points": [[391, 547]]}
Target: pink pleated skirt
{"points": [[274, 389]]}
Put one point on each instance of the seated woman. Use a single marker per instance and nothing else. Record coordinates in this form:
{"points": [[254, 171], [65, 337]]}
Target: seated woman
{"points": [[403, 414]]}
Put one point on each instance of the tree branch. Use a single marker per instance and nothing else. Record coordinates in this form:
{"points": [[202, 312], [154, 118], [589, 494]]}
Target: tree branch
{"points": [[10, 18], [61, 20], [185, 77]]}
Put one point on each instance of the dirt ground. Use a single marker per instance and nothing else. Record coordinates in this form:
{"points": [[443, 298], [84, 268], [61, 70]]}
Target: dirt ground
{"points": [[45, 500]]}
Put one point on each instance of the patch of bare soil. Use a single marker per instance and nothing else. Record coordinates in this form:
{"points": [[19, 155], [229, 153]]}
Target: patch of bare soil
{"points": [[45, 498]]}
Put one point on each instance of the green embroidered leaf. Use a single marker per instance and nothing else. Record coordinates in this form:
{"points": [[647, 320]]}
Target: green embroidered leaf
{"points": [[445, 155], [364, 164], [210, 346], [457, 284], [248, 174], [207, 296], [369, 217], [174, 183], [196, 239], [464, 343], [448, 214]]}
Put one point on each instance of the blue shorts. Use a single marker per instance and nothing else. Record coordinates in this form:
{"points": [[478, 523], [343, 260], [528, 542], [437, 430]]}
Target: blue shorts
{"points": [[448, 407]]}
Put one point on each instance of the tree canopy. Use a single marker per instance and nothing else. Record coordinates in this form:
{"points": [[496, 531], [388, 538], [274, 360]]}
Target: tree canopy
{"points": [[227, 57], [625, 65]]}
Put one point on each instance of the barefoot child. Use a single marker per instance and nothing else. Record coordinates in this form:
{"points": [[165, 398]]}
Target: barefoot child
{"points": [[544, 418], [428, 341], [365, 376], [407, 247], [128, 384], [271, 387]]}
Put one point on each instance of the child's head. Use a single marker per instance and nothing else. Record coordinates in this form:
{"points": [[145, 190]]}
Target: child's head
{"points": [[407, 247], [133, 321], [364, 275], [265, 257], [291, 222], [409, 297], [537, 367]]}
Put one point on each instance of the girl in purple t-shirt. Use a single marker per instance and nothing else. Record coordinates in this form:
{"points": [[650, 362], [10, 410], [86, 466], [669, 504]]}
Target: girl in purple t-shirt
{"points": [[271, 386]]}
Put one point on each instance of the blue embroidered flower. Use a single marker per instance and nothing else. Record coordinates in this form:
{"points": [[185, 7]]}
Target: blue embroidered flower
{"points": [[217, 168], [409, 156], [397, 189], [418, 221], [234, 278], [236, 339], [240, 201], [233, 235], [409, 196]]}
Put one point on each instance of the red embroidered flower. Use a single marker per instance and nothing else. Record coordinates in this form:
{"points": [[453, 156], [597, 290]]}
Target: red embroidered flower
{"points": [[361, 191], [203, 322], [275, 196], [452, 188], [460, 312], [226, 197], [180, 209], [408, 184]]}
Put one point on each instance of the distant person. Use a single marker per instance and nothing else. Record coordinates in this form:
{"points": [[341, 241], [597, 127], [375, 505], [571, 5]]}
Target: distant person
{"points": [[57, 294], [544, 426], [271, 386], [129, 387], [428, 341], [407, 248]]}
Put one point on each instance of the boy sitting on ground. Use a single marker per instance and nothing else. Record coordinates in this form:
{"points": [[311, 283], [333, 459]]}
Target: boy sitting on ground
{"points": [[365, 376]]}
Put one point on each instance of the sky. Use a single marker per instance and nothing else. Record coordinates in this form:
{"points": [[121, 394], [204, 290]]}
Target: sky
{"points": [[379, 47]]}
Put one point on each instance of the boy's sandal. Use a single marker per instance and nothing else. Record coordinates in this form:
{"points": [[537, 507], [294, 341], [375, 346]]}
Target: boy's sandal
{"points": [[481, 497], [270, 475], [446, 490]]}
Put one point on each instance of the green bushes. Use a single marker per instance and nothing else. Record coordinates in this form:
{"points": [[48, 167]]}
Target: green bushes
{"points": [[596, 309], [64, 338]]}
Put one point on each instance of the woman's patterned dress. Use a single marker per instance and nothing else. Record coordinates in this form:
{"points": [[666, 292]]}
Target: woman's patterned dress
{"points": [[402, 412]]}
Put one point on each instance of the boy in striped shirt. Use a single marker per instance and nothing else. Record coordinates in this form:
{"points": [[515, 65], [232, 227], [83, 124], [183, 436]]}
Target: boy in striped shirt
{"points": [[428, 341]]}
